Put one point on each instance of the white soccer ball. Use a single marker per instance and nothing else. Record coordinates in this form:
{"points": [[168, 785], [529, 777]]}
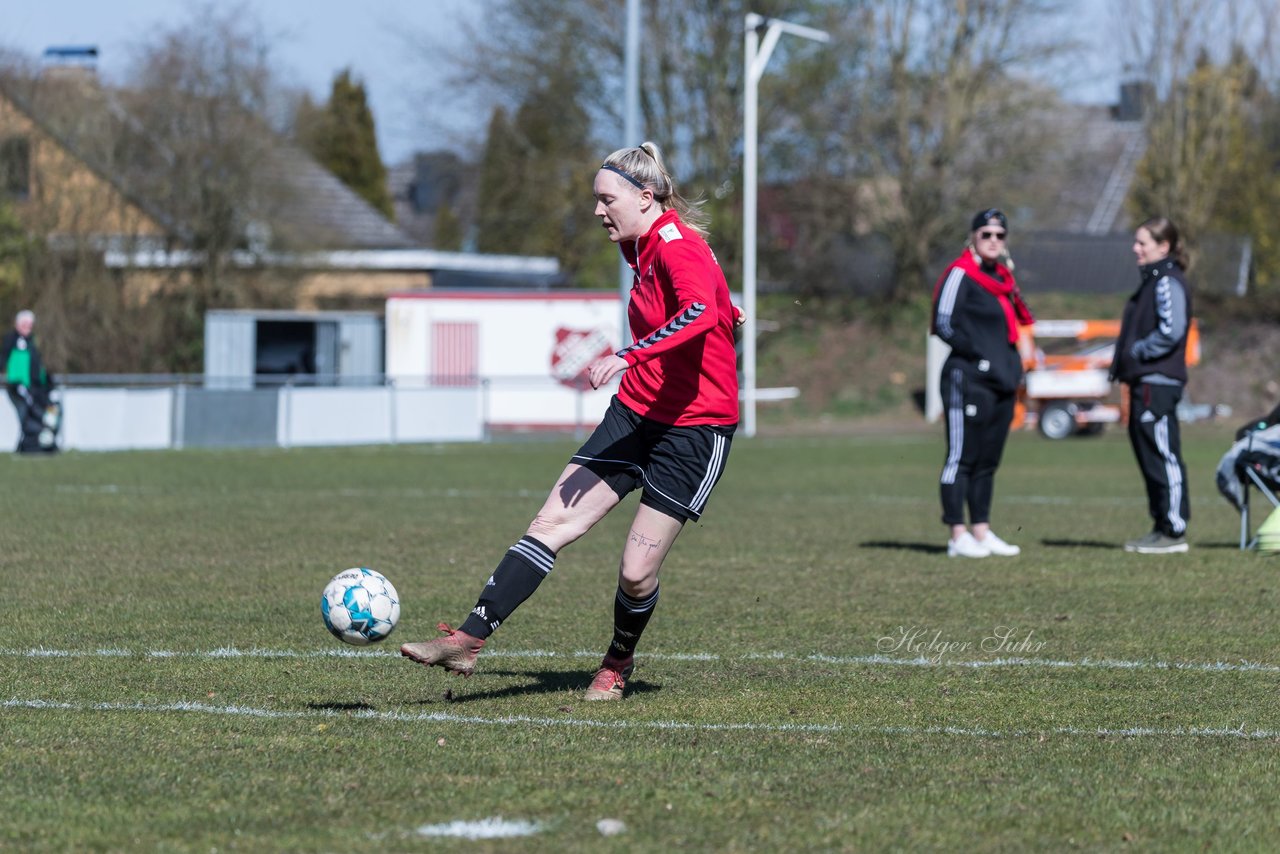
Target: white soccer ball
{"points": [[360, 606]]}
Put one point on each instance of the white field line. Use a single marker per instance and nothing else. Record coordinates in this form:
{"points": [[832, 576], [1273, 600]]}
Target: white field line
{"points": [[410, 492], [1052, 500], [852, 660], [488, 828], [344, 492], [528, 720]]}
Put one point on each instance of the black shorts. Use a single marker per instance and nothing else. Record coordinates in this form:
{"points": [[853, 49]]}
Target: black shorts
{"points": [[679, 466]]}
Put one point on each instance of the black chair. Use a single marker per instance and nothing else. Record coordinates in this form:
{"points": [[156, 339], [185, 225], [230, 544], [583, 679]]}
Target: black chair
{"points": [[1259, 470]]}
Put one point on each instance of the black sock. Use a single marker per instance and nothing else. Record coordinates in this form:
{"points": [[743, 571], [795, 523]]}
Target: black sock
{"points": [[519, 573], [630, 616]]}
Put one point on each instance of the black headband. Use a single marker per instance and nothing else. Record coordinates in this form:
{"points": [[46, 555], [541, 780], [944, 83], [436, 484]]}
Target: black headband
{"points": [[630, 178]]}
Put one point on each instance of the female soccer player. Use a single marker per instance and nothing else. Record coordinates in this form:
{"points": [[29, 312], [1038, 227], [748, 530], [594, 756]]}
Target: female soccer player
{"points": [[667, 431]]}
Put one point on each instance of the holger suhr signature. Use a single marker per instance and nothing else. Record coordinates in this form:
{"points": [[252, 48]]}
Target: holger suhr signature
{"points": [[931, 645]]}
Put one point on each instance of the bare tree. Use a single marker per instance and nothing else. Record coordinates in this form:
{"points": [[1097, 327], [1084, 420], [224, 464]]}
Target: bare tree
{"points": [[1163, 41], [200, 92], [900, 117], [691, 69], [204, 96], [941, 118], [174, 159], [1203, 64], [72, 144], [13, 253]]}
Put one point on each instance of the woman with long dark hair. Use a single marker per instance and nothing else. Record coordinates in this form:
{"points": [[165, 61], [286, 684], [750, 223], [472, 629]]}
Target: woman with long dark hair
{"points": [[1151, 359]]}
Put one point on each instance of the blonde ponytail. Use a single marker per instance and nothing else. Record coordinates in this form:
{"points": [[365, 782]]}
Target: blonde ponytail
{"points": [[643, 166]]}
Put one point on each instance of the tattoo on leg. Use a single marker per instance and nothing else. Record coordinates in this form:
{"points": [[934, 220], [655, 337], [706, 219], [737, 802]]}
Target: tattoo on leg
{"points": [[644, 542]]}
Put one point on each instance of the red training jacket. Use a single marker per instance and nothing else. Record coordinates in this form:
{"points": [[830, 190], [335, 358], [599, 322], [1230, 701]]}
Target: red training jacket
{"points": [[683, 369]]}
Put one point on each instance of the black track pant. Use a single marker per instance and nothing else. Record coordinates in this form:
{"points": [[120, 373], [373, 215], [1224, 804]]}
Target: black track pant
{"points": [[30, 424], [978, 421], [1157, 443]]}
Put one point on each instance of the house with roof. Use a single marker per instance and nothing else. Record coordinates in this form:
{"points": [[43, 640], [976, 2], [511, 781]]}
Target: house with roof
{"points": [[83, 170], [150, 200]]}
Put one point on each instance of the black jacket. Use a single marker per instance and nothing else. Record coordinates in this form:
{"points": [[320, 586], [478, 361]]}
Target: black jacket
{"points": [[1153, 331], [972, 321]]}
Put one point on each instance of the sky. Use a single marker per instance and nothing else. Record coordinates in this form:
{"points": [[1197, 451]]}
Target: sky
{"points": [[386, 45], [310, 42]]}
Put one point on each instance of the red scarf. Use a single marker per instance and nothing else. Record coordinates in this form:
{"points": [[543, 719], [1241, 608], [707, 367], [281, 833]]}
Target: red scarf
{"points": [[1003, 288]]}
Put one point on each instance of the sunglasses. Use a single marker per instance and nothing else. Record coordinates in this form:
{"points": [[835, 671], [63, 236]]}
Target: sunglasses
{"points": [[991, 235]]}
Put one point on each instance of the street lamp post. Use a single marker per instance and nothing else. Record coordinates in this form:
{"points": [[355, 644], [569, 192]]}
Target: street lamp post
{"points": [[631, 136], [756, 57]]}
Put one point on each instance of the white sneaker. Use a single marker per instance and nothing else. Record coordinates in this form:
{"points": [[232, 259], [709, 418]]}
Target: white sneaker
{"points": [[997, 546], [966, 546]]}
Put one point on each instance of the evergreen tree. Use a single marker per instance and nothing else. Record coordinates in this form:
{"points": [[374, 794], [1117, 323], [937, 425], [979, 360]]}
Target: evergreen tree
{"points": [[345, 142], [535, 177], [448, 229], [498, 221]]}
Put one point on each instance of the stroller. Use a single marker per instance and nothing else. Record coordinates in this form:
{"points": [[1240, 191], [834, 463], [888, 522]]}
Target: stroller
{"points": [[50, 422], [1253, 462]]}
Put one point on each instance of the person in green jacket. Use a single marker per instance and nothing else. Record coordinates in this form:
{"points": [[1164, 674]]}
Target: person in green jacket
{"points": [[27, 381]]}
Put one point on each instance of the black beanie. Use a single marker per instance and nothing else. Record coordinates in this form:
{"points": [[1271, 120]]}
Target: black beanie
{"points": [[981, 218]]}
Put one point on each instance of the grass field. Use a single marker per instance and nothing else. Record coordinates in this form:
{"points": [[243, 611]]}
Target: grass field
{"points": [[818, 676]]}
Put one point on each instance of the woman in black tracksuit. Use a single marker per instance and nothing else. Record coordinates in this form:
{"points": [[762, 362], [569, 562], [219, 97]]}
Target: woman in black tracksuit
{"points": [[1151, 358], [977, 310]]}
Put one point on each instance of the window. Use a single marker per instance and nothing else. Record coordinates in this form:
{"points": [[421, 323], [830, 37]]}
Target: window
{"points": [[15, 167]]}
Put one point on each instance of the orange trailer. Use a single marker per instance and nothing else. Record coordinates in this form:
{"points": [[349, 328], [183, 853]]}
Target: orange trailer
{"points": [[1066, 363]]}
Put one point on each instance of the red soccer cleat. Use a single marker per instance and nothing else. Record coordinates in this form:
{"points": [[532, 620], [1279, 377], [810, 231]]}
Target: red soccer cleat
{"points": [[611, 679]]}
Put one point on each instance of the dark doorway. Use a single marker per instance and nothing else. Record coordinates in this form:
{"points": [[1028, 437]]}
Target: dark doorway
{"points": [[299, 351]]}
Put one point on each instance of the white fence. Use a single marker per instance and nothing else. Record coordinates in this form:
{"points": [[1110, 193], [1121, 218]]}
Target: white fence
{"points": [[104, 412], [380, 416], [180, 415]]}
